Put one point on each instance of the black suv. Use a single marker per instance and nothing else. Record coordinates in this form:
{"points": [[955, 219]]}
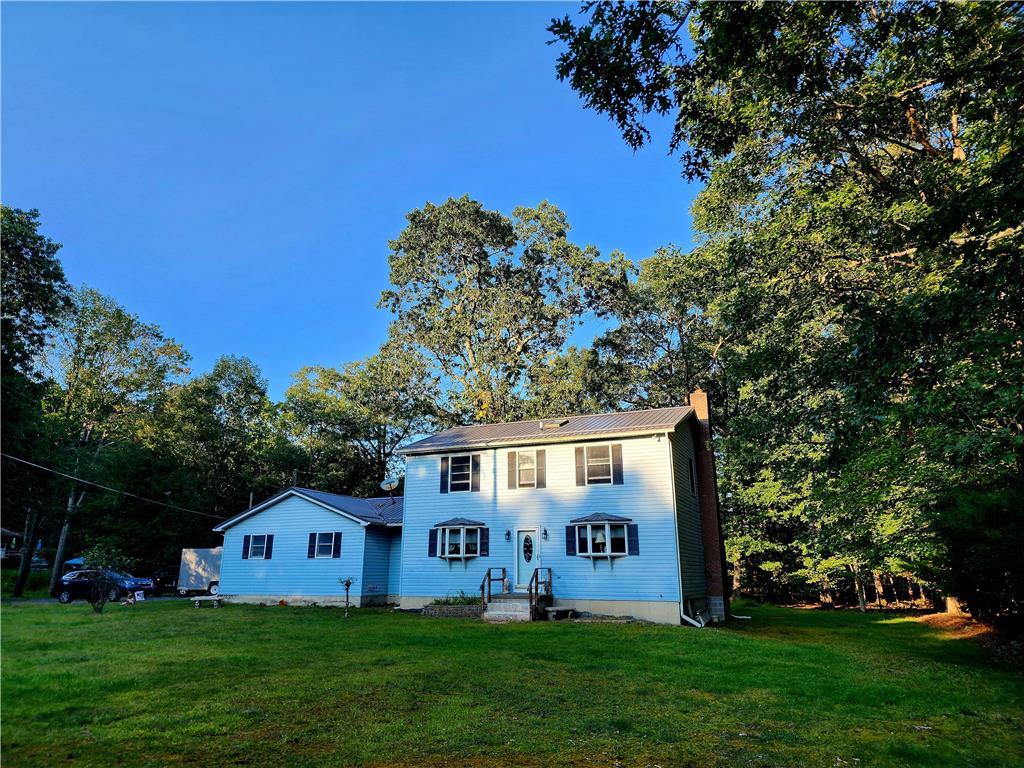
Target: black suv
{"points": [[80, 584]]}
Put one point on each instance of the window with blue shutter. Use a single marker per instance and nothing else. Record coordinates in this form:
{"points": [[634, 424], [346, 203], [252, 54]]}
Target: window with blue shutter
{"points": [[599, 464], [259, 546], [432, 543], [597, 538], [325, 544], [460, 473]]}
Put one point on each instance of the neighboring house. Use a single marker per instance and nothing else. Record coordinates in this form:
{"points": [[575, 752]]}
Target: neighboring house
{"points": [[301, 545], [622, 507]]}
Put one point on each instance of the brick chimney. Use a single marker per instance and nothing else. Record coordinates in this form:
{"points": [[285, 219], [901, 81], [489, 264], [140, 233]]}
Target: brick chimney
{"points": [[707, 493]]}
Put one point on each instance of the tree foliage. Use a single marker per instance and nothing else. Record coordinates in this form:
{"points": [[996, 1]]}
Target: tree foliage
{"points": [[485, 296], [862, 209]]}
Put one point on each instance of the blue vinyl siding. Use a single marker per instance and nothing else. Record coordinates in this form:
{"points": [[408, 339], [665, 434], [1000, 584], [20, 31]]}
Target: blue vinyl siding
{"points": [[645, 496], [289, 571], [395, 562], [375, 563]]}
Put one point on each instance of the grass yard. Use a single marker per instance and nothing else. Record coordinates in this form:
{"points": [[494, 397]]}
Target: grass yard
{"points": [[165, 684]]}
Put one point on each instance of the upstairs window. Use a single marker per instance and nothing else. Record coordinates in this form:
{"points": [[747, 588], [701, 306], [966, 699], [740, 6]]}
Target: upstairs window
{"points": [[693, 476], [527, 461], [527, 469], [599, 464], [460, 473]]}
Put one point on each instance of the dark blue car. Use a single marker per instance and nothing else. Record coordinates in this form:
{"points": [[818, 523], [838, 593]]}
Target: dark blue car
{"points": [[79, 584]]}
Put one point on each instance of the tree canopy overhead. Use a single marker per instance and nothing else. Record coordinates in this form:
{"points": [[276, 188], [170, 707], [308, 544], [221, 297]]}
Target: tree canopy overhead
{"points": [[862, 223]]}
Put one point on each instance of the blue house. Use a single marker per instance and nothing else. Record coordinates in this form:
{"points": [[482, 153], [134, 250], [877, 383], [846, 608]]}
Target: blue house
{"points": [[301, 545], [613, 514]]}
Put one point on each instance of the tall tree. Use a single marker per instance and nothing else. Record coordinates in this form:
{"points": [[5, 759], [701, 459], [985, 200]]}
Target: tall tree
{"points": [[224, 428], [352, 421], [111, 368], [485, 296], [863, 198], [33, 295]]}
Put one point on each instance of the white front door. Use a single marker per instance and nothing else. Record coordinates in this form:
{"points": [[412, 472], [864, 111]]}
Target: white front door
{"points": [[527, 556]]}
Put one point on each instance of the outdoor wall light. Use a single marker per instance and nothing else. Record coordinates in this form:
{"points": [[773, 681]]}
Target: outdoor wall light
{"points": [[545, 532], [508, 535]]}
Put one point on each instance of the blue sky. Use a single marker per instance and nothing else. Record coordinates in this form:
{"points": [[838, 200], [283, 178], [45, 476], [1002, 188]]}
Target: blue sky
{"points": [[233, 172]]}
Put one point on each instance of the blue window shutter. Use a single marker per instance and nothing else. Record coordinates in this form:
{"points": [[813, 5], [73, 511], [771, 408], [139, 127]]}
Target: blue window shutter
{"points": [[311, 549], [485, 542], [513, 479], [245, 547], [542, 469], [570, 539], [634, 539], [617, 464], [270, 547], [432, 543], [336, 551], [444, 474], [474, 481], [581, 469]]}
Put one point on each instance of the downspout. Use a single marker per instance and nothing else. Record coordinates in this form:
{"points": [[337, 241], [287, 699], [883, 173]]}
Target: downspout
{"points": [[688, 620]]}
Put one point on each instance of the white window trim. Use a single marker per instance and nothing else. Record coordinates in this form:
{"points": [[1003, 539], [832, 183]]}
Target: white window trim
{"points": [[692, 465], [608, 538], [586, 465], [469, 479], [442, 541], [519, 483], [252, 540], [316, 548]]}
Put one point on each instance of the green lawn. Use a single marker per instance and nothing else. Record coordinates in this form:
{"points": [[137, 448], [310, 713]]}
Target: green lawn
{"points": [[165, 684]]}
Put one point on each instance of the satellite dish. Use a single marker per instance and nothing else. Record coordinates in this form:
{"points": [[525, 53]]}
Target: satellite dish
{"points": [[389, 484]]}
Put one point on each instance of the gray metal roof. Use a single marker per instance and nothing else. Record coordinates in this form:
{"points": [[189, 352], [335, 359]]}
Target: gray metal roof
{"points": [[383, 510], [557, 430], [463, 522], [600, 517]]}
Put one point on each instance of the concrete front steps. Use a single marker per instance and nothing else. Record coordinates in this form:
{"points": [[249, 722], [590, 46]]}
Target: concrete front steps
{"points": [[514, 606]]}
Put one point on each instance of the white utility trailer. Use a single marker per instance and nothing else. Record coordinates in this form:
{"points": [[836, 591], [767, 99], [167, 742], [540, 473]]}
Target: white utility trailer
{"points": [[200, 571]]}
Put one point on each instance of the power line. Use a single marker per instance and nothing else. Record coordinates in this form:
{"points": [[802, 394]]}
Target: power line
{"points": [[112, 490]]}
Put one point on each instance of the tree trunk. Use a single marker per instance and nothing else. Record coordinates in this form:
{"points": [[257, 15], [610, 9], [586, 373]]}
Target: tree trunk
{"points": [[74, 501], [879, 589], [27, 548], [895, 593], [858, 583]]}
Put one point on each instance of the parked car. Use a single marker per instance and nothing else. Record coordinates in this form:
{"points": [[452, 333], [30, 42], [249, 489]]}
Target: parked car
{"points": [[200, 571], [79, 584], [165, 580]]}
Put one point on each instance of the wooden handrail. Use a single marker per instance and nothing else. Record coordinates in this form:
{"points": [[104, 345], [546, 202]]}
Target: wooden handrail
{"points": [[533, 589], [485, 597]]}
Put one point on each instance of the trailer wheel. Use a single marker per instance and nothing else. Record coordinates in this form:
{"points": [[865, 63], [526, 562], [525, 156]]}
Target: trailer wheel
{"points": [[214, 588]]}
